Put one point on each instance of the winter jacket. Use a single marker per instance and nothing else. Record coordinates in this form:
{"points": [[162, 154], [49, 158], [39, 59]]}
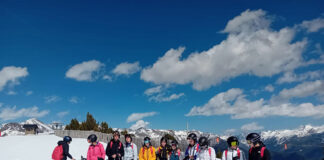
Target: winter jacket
{"points": [[192, 151], [147, 153], [115, 147], [162, 153], [207, 154], [233, 155], [130, 151], [96, 151], [255, 153], [65, 147], [175, 155]]}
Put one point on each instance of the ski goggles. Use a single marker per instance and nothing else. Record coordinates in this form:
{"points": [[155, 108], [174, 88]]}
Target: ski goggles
{"points": [[233, 144], [146, 142]]}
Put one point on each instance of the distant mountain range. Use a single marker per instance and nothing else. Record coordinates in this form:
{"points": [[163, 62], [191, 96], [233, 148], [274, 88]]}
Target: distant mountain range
{"points": [[305, 142]]}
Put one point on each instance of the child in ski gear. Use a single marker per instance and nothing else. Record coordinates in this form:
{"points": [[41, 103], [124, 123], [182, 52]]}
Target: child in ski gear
{"points": [[205, 152], [147, 152], [96, 150], [164, 149], [233, 152], [130, 148], [115, 148], [61, 152], [258, 150], [193, 147], [175, 153]]}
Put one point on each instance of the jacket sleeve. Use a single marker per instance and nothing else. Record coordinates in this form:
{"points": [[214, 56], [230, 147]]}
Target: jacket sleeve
{"points": [[108, 149], [122, 152], [223, 156], [102, 151], [140, 155], [88, 154], [135, 151], [213, 154], [154, 155], [267, 155], [66, 150]]}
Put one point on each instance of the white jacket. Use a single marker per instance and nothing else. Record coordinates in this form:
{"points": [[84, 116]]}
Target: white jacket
{"points": [[233, 153], [207, 154], [130, 152]]}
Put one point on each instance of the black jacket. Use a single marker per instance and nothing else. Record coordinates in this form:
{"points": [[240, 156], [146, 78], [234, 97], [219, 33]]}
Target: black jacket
{"points": [[163, 152], [115, 147], [65, 147], [255, 153]]}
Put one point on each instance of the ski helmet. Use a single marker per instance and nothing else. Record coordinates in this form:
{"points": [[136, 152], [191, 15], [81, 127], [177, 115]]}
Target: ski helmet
{"points": [[174, 142], [164, 139], [116, 133], [128, 136], [253, 138], [232, 141], [67, 139], [192, 136], [203, 141], [92, 138]]}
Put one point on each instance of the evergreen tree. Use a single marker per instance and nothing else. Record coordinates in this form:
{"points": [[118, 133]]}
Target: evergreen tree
{"points": [[104, 127], [124, 132], [169, 137]]}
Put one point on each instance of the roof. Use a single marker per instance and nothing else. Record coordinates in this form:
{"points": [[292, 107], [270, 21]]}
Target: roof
{"points": [[30, 126]]}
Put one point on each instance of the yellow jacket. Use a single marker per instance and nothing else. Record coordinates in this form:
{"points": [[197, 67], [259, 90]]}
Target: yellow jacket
{"points": [[147, 153]]}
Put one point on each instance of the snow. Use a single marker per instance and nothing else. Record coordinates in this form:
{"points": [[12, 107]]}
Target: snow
{"points": [[38, 147]]}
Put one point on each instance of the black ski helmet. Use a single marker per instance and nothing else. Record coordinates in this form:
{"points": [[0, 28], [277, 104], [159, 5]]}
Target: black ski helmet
{"points": [[67, 139], [192, 136], [253, 138], [128, 136], [164, 139], [174, 142], [92, 138], [203, 141], [232, 139]]}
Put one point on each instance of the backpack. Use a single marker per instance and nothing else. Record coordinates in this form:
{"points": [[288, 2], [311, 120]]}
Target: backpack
{"points": [[262, 151], [58, 153], [238, 153]]}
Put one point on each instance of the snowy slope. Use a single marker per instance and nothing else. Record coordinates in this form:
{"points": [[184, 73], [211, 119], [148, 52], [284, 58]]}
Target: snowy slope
{"points": [[38, 147]]}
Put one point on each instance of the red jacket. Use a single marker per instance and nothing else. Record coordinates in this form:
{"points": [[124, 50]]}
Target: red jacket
{"points": [[96, 151]]}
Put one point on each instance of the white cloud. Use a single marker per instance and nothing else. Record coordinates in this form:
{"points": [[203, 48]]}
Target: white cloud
{"points": [[252, 127], [163, 98], [269, 88], [126, 68], [14, 113], [251, 48], [139, 124], [12, 93], [85, 71], [289, 77], [234, 103], [74, 100], [304, 89], [62, 114], [313, 25], [11, 75], [137, 116], [52, 99], [153, 90], [107, 78], [28, 93]]}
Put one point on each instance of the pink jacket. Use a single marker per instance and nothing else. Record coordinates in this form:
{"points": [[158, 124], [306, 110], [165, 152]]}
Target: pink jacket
{"points": [[95, 152]]}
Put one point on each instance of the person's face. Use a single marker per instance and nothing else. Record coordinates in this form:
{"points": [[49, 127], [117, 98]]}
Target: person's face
{"points": [[163, 143], [89, 141], [147, 144], [234, 147], [128, 140], [174, 147], [116, 137], [191, 141]]}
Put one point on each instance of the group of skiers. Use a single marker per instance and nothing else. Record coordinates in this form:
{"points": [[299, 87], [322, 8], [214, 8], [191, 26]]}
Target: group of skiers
{"points": [[198, 149]]}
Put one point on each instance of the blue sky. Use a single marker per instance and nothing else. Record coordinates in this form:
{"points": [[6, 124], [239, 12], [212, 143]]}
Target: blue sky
{"points": [[216, 65]]}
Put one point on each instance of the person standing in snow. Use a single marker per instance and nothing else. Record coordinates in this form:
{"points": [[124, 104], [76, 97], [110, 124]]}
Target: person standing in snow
{"points": [[96, 151], [115, 148], [162, 152], [65, 145], [193, 147], [175, 153], [233, 152], [130, 148], [258, 150], [205, 152], [147, 152]]}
